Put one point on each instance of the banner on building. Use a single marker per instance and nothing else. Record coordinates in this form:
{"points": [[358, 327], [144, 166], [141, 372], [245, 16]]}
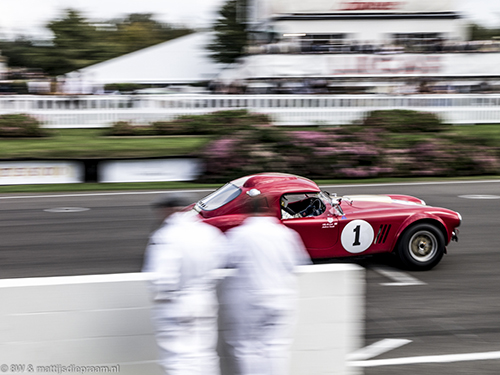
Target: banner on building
{"points": [[277, 7], [367, 65]]}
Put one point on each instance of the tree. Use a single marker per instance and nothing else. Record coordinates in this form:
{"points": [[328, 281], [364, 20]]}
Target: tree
{"points": [[19, 52], [79, 42], [230, 32], [478, 32], [73, 43], [140, 30]]}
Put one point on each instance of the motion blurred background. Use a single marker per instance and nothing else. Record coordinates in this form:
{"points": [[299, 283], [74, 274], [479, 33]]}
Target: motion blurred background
{"points": [[157, 94]]}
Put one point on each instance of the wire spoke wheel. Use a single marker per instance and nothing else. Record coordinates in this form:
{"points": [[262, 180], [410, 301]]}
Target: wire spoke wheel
{"points": [[423, 246]]}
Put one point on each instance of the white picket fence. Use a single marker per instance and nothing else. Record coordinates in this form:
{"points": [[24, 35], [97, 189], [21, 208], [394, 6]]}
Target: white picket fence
{"points": [[101, 111]]}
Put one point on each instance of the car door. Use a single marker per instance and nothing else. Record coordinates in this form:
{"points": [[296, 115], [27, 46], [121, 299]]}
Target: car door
{"points": [[319, 233]]}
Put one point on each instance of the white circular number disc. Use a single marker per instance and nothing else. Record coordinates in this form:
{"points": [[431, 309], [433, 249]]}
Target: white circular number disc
{"points": [[357, 236]]}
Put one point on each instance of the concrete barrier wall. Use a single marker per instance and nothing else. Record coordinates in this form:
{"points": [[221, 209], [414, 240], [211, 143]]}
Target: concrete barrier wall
{"points": [[101, 323]]}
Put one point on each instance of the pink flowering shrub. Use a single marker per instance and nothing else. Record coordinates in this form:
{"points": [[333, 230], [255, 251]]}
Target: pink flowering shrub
{"points": [[353, 152]]}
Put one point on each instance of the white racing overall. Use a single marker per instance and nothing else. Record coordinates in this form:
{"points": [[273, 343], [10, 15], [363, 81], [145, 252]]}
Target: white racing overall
{"points": [[183, 257], [259, 300]]}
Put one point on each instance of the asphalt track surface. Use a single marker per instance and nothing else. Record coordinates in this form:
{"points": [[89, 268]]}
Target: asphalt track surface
{"points": [[450, 317]]}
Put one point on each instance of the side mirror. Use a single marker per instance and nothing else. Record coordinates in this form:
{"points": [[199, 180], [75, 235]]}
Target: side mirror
{"points": [[253, 192]]}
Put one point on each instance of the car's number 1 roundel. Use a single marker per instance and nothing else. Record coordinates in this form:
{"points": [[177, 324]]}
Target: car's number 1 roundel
{"points": [[357, 236]]}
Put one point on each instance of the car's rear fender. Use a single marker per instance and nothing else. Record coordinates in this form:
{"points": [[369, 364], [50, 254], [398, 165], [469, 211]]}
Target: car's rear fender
{"points": [[226, 222], [422, 218]]}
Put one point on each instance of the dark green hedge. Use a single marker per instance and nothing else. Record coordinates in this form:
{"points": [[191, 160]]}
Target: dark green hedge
{"points": [[405, 121], [20, 125], [216, 123]]}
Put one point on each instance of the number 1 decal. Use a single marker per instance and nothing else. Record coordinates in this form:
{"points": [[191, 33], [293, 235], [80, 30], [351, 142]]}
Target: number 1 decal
{"points": [[357, 236]]}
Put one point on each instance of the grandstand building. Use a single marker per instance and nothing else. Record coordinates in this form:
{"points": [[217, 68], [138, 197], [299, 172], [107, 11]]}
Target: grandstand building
{"points": [[333, 22], [361, 46]]}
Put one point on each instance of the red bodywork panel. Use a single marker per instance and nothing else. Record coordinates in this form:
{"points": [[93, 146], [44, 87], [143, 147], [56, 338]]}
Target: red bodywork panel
{"points": [[367, 224]]}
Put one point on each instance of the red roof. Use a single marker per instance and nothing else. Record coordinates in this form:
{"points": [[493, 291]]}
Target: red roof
{"points": [[276, 182]]}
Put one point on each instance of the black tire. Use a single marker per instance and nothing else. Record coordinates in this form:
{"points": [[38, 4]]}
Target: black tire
{"points": [[421, 247]]}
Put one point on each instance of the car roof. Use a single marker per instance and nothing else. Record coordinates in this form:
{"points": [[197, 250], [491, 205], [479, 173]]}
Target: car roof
{"points": [[276, 183]]}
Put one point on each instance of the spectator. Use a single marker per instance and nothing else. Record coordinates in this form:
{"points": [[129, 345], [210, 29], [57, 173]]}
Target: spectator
{"points": [[259, 298], [183, 256]]}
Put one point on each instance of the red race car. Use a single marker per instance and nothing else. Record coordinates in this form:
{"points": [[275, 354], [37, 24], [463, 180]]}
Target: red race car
{"points": [[336, 227]]}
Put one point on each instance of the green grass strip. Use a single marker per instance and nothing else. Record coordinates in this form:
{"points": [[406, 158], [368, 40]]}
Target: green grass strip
{"points": [[90, 143]]}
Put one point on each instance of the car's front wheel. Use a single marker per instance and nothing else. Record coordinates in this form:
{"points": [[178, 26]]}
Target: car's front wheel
{"points": [[421, 247]]}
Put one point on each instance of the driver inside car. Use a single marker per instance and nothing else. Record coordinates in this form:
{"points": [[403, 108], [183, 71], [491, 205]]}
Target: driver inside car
{"points": [[308, 207]]}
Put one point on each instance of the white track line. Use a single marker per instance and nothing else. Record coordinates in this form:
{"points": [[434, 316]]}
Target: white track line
{"points": [[210, 190], [479, 196], [445, 358], [415, 183], [399, 278], [377, 349], [105, 194]]}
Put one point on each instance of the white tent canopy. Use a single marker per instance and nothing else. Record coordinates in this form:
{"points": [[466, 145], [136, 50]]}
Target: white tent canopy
{"points": [[181, 60]]}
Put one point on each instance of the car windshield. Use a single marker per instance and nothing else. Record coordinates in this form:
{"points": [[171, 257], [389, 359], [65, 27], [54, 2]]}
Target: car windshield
{"points": [[219, 197]]}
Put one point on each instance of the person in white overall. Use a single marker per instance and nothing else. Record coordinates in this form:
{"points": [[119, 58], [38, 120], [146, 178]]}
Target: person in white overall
{"points": [[183, 257], [259, 299]]}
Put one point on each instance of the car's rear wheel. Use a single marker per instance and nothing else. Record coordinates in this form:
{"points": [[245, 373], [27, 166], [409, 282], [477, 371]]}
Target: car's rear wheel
{"points": [[421, 247]]}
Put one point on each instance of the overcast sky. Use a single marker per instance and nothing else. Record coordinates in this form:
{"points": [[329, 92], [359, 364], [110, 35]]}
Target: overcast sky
{"points": [[17, 16], [30, 16]]}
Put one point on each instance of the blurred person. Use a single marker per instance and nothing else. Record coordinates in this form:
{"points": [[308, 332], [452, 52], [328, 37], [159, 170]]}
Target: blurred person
{"points": [[183, 256], [259, 299]]}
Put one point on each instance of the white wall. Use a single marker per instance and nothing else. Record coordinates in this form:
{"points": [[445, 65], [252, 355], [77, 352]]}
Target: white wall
{"points": [[331, 319], [103, 320], [178, 169], [40, 172]]}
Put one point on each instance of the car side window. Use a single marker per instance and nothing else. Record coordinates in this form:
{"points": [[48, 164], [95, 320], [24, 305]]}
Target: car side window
{"points": [[295, 206]]}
